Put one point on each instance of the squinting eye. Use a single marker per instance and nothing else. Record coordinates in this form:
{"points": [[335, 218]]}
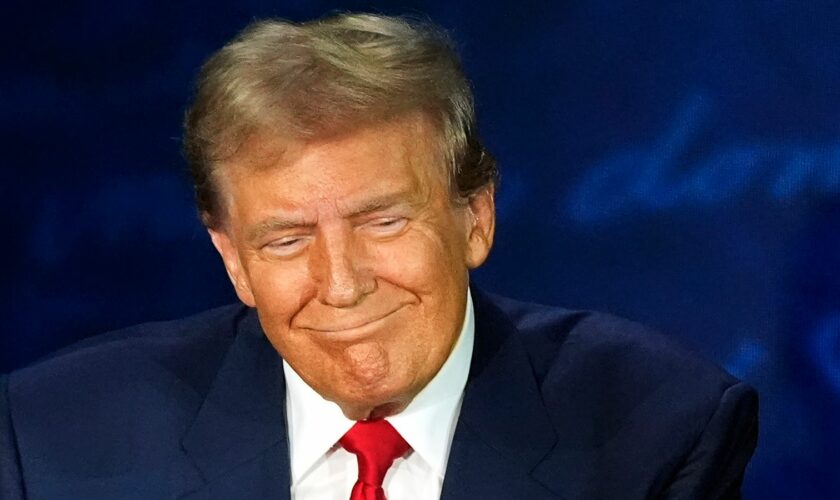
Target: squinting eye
{"points": [[285, 246], [388, 225]]}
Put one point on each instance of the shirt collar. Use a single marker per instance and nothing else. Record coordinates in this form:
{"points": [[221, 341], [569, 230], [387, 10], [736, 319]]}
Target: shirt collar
{"points": [[427, 423]]}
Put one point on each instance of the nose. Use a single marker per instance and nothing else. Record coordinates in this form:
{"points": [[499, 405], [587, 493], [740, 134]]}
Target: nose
{"points": [[341, 270]]}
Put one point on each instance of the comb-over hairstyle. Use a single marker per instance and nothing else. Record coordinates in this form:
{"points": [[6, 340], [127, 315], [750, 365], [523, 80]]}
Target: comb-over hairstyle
{"points": [[327, 76]]}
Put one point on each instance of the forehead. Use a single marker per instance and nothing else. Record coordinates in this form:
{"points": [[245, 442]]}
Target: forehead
{"points": [[401, 153]]}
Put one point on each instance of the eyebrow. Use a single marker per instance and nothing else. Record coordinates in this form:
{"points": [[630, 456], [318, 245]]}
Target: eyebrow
{"points": [[377, 204], [276, 224], [281, 223]]}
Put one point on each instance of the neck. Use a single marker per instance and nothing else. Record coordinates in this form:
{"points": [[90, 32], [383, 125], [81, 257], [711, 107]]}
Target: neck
{"points": [[373, 413]]}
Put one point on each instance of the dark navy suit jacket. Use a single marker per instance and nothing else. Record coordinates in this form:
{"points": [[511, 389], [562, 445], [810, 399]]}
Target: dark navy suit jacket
{"points": [[559, 404]]}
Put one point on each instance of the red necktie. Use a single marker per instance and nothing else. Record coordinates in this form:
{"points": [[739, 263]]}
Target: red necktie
{"points": [[376, 445]]}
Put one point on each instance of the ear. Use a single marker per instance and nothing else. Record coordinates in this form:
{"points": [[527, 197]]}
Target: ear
{"points": [[482, 225], [230, 256]]}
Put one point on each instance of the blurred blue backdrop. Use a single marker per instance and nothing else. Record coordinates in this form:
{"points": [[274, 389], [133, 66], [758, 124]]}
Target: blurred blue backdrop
{"points": [[677, 163]]}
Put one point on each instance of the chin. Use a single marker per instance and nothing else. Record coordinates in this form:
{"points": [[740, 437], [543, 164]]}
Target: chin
{"points": [[371, 410], [374, 401]]}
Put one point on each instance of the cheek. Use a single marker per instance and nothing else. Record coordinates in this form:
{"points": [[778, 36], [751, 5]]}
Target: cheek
{"points": [[422, 260], [280, 290]]}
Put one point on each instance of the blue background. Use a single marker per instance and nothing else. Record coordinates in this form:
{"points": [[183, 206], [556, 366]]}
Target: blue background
{"points": [[677, 163]]}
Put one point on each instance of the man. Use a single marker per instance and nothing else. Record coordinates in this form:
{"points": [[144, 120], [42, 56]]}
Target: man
{"points": [[338, 171]]}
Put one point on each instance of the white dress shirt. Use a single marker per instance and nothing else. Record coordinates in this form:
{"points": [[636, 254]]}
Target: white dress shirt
{"points": [[323, 470]]}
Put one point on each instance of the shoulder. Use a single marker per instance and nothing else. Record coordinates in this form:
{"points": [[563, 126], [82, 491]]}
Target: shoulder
{"points": [[122, 377], [165, 344], [114, 405], [612, 373], [599, 345], [633, 406]]}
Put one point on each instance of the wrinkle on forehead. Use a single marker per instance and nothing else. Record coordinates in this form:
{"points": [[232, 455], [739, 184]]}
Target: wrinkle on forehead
{"points": [[417, 145]]}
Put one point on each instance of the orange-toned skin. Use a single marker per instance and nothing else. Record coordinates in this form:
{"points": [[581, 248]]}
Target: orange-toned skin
{"points": [[355, 257]]}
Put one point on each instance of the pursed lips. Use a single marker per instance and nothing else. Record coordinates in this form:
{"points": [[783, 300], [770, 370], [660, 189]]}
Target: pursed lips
{"points": [[350, 324]]}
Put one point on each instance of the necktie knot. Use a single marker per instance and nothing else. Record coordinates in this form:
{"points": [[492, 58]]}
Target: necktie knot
{"points": [[376, 445]]}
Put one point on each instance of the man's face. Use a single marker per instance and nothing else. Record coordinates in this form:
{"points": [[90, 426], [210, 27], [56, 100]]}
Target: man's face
{"points": [[355, 258]]}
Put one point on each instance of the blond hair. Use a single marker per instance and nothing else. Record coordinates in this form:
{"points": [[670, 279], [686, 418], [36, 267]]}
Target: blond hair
{"points": [[325, 76]]}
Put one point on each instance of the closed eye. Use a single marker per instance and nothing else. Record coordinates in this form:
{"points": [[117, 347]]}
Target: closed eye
{"points": [[387, 225], [285, 246]]}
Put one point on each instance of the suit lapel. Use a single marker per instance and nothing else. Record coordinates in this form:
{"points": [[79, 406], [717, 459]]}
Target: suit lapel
{"points": [[503, 431], [238, 439]]}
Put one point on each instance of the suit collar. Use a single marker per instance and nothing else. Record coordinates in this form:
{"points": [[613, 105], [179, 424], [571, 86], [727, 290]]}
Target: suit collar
{"points": [[242, 419], [504, 431], [238, 439]]}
